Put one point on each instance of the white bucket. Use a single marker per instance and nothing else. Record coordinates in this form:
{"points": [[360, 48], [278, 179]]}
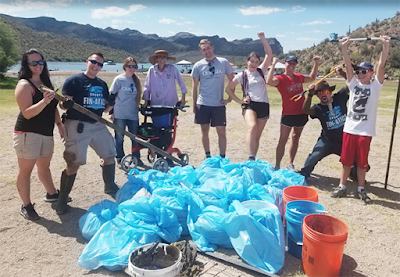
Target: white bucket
{"points": [[163, 249]]}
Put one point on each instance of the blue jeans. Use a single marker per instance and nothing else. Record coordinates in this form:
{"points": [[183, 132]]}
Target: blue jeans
{"points": [[119, 138], [322, 148]]}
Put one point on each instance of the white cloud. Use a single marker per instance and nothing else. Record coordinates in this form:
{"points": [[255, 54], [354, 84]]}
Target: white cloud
{"points": [[114, 11], [166, 21], [298, 9], [19, 6], [257, 10], [246, 26], [316, 22]]}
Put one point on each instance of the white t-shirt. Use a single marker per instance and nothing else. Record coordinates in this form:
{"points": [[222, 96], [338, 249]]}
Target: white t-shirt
{"points": [[256, 88], [363, 107]]}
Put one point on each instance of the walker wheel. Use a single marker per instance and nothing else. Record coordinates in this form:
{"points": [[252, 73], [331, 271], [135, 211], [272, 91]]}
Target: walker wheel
{"points": [[161, 164], [151, 158], [128, 162], [184, 158]]}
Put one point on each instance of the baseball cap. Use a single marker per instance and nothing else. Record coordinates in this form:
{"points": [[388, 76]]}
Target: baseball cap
{"points": [[291, 57], [365, 65]]}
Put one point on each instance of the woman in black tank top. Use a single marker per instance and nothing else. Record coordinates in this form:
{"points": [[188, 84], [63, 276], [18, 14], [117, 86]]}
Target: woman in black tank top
{"points": [[33, 133]]}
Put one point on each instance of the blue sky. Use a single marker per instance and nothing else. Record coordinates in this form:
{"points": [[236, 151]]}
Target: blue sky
{"points": [[296, 24]]}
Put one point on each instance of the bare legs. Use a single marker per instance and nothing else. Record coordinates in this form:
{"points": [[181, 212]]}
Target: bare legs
{"points": [[221, 131], [284, 135], [24, 177], [255, 128]]}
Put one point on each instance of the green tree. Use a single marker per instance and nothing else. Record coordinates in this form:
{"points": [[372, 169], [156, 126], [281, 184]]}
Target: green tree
{"points": [[8, 48]]}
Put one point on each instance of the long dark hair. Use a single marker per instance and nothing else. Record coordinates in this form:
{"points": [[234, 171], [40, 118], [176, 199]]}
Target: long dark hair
{"points": [[26, 73]]}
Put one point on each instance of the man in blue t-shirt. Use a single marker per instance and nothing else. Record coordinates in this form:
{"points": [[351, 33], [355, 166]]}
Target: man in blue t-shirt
{"points": [[331, 112], [89, 91]]}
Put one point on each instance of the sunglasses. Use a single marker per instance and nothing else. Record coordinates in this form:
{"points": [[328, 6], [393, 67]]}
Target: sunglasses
{"points": [[361, 71], [321, 92], [96, 62], [35, 63], [132, 66], [211, 68]]}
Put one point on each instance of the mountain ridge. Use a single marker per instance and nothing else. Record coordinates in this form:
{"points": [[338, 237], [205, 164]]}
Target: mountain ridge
{"points": [[181, 45]]}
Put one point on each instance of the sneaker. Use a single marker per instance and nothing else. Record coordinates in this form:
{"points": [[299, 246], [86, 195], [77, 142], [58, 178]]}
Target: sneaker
{"points": [[338, 192], [54, 197], [29, 212], [364, 197], [276, 168], [290, 167]]}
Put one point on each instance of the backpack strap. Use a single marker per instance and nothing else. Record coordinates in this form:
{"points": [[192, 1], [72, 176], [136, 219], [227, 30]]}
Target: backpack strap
{"points": [[261, 73], [245, 83]]}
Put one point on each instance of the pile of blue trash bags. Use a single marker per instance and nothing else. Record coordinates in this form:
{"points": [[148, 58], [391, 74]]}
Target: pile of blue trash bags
{"points": [[207, 203]]}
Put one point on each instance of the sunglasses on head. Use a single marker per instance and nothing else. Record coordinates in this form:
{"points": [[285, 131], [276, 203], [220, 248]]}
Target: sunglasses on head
{"points": [[35, 63], [211, 68], [132, 66], [321, 92], [96, 62], [361, 71]]}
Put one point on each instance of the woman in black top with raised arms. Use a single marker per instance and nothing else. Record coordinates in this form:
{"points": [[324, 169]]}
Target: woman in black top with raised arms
{"points": [[33, 132]]}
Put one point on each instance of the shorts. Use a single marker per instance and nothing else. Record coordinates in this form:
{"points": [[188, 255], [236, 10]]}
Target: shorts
{"points": [[260, 108], [95, 135], [208, 114], [297, 120], [31, 146], [355, 148]]}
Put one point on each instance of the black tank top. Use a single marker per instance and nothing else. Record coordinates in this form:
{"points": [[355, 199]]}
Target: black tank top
{"points": [[43, 123]]}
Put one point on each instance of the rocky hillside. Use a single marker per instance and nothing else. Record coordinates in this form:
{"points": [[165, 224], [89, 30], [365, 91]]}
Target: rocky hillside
{"points": [[52, 33]]}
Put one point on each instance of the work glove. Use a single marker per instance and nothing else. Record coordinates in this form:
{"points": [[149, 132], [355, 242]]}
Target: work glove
{"points": [[68, 103]]}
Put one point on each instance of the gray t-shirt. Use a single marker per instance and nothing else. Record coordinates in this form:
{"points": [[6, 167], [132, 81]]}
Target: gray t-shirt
{"points": [[125, 102], [211, 75]]}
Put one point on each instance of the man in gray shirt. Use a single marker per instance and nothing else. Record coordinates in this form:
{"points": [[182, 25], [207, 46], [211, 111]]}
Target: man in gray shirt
{"points": [[209, 104]]}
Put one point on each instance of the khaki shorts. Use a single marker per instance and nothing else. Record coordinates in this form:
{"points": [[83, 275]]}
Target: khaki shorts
{"points": [[95, 135], [32, 146]]}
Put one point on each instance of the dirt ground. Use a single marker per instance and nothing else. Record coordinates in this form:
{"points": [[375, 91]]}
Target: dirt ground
{"points": [[52, 245]]}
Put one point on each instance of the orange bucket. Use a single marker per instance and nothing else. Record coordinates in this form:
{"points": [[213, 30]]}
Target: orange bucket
{"points": [[324, 238], [298, 193]]}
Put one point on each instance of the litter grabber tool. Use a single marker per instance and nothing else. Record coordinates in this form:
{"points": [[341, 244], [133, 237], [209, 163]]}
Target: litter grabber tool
{"points": [[334, 38], [98, 118], [299, 95]]}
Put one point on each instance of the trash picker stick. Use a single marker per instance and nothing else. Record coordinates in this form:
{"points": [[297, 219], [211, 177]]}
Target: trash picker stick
{"points": [[94, 116], [396, 107]]}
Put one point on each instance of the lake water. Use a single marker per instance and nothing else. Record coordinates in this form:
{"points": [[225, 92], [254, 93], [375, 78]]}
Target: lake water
{"points": [[81, 66]]}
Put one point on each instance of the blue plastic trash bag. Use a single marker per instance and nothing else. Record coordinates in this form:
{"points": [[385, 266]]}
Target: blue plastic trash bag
{"points": [[96, 216], [257, 236], [221, 192], [283, 178], [259, 192], [140, 221], [130, 188], [186, 175], [175, 200], [209, 225]]}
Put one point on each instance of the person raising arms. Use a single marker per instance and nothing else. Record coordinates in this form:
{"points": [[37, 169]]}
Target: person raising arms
{"points": [[293, 118], [255, 103]]}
